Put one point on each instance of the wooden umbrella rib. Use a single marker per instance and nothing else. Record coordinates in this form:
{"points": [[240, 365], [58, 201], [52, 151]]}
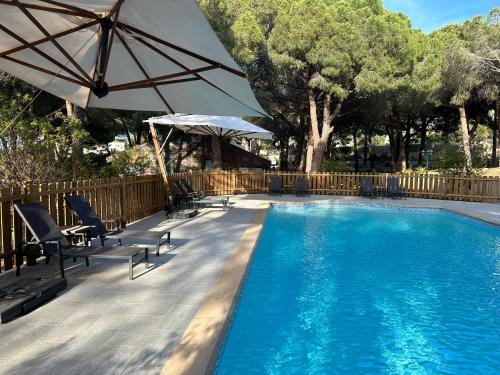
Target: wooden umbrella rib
{"points": [[54, 41], [40, 52], [161, 53], [116, 8], [135, 84], [155, 84], [43, 40], [201, 129], [47, 9], [80, 11], [46, 71], [116, 12], [229, 133], [244, 134], [139, 65], [180, 49]]}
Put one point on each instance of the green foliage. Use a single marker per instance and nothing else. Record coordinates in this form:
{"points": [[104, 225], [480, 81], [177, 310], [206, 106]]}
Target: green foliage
{"points": [[34, 148], [330, 165], [421, 170], [133, 161], [450, 157], [324, 42]]}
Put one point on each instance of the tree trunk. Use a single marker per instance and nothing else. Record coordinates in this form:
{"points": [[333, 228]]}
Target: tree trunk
{"points": [[407, 143], [317, 155], [309, 153], [314, 133], [76, 146], [389, 128], [370, 152], [365, 149], [423, 141], [125, 127], [496, 135], [401, 164], [319, 140], [216, 153], [300, 140], [399, 155], [284, 154], [305, 147], [356, 152], [465, 140], [178, 163], [138, 135]]}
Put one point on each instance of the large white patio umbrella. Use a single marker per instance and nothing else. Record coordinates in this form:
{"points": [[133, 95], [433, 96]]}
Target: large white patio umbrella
{"points": [[221, 126], [154, 55]]}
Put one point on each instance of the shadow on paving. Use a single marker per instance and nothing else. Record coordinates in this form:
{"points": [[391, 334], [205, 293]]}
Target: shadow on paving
{"points": [[105, 324]]}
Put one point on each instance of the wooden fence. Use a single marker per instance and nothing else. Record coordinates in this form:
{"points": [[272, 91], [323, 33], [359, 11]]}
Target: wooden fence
{"points": [[133, 198], [474, 189], [128, 198]]}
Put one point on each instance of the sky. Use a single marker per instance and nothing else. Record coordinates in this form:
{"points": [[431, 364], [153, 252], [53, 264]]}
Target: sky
{"points": [[430, 15]]}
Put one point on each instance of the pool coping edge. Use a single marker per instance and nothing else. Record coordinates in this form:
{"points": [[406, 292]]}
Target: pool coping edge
{"points": [[198, 349]]}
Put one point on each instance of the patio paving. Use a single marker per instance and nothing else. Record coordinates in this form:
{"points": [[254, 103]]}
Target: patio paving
{"points": [[106, 324]]}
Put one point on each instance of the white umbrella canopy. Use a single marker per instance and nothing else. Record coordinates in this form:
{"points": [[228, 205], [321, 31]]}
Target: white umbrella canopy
{"points": [[154, 55], [222, 126]]}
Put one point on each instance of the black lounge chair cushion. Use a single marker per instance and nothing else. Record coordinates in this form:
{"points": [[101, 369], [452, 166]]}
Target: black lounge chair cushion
{"points": [[367, 187], [275, 185], [393, 187], [42, 226], [86, 214], [302, 185]]}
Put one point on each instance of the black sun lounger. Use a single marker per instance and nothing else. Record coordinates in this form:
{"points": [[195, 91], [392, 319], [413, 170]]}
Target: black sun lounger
{"points": [[393, 188], [48, 235], [302, 186], [189, 189], [275, 185], [188, 195], [87, 216], [366, 187]]}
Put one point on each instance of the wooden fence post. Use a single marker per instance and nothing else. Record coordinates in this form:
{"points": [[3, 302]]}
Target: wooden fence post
{"points": [[123, 201]]}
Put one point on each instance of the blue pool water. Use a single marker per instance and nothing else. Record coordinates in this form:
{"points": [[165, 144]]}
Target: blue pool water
{"points": [[367, 290]]}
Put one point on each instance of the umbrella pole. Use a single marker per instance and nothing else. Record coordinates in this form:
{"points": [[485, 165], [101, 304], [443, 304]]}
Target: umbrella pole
{"points": [[161, 164]]}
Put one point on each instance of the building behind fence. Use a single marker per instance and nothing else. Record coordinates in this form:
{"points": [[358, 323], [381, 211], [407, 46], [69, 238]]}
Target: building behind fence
{"points": [[133, 198]]}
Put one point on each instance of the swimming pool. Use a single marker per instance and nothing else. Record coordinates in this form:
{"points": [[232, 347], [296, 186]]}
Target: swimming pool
{"points": [[368, 290]]}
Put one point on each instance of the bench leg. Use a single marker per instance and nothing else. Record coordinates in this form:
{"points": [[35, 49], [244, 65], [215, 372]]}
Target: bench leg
{"points": [[131, 268], [61, 266], [168, 240], [158, 247], [146, 258]]}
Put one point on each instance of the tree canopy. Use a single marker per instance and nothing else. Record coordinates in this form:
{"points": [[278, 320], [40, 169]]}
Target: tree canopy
{"points": [[331, 73]]}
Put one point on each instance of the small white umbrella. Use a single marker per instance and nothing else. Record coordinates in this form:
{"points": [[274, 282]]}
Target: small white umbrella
{"points": [[154, 55], [221, 126]]}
